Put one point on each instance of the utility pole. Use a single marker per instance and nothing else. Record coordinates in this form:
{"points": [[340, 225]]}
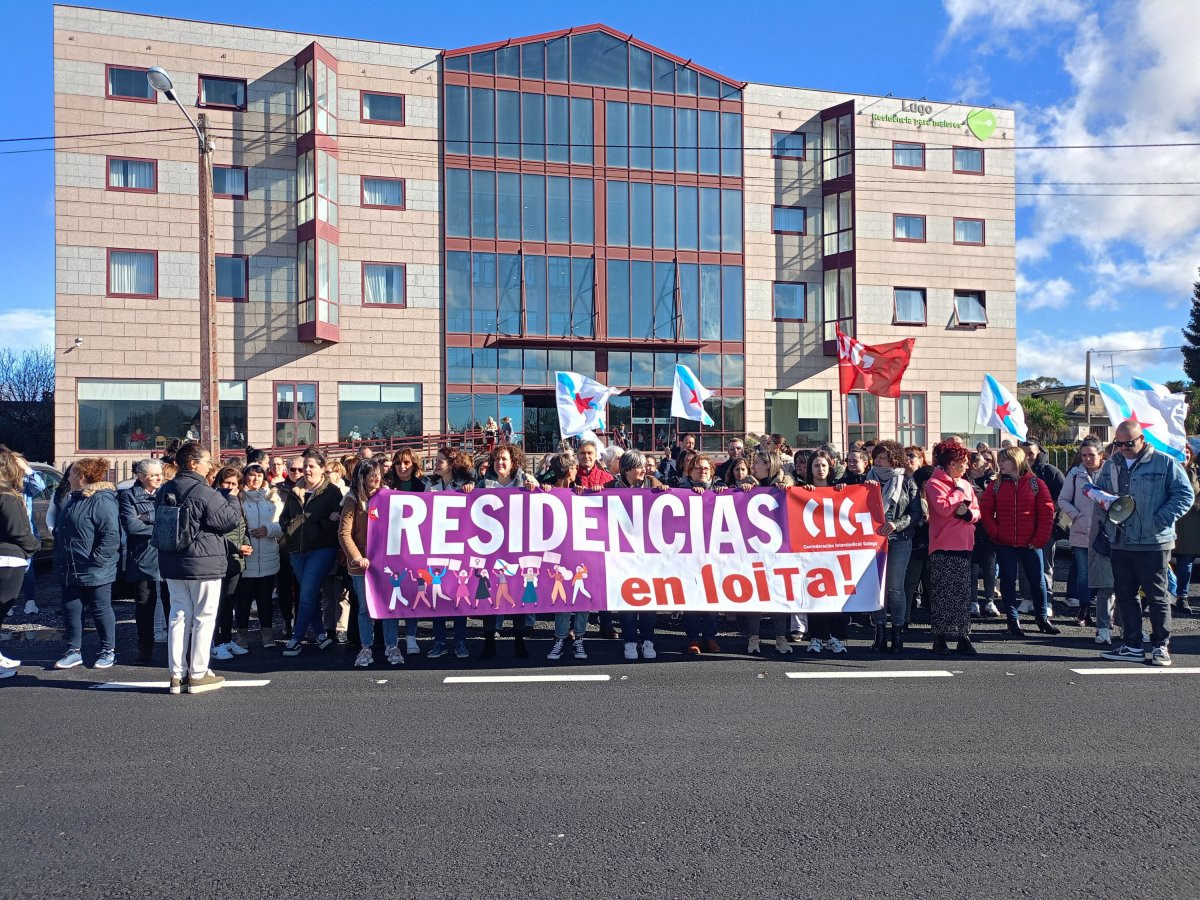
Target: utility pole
{"points": [[1087, 387], [210, 388]]}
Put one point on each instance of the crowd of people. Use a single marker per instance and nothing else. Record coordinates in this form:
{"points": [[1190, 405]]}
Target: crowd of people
{"points": [[207, 545]]}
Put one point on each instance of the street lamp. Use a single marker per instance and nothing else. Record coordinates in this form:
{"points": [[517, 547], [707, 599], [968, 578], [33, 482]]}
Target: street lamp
{"points": [[210, 391]]}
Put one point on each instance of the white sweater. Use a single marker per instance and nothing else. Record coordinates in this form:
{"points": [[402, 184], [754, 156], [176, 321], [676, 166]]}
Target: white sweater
{"points": [[261, 509]]}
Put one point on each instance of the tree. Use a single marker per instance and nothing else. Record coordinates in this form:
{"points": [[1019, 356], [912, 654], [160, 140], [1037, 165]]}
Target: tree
{"points": [[1045, 418], [1041, 383], [1191, 337], [27, 401]]}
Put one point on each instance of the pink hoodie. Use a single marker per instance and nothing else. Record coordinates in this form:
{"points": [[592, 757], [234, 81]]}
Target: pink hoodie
{"points": [[946, 530]]}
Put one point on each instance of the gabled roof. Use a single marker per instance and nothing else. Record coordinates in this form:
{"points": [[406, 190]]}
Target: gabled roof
{"points": [[612, 32]]}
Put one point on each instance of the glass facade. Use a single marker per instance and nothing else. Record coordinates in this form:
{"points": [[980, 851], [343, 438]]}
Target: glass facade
{"points": [[147, 415], [379, 410], [802, 417]]}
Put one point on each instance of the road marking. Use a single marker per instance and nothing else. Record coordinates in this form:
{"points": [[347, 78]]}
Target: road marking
{"points": [[899, 673], [518, 679], [1140, 670], [163, 685]]}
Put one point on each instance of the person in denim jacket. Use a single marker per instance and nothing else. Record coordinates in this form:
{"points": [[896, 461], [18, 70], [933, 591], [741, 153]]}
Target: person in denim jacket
{"points": [[1142, 544]]}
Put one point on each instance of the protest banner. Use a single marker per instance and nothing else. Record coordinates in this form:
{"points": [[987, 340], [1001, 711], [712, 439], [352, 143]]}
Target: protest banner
{"points": [[760, 551]]}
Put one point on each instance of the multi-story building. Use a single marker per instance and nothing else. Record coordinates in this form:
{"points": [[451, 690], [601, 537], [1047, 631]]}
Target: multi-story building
{"points": [[412, 239]]}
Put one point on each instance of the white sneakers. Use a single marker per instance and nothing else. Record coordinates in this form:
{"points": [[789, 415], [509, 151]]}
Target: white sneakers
{"points": [[816, 646], [754, 645], [648, 651], [837, 646], [7, 663], [236, 649], [991, 610], [364, 659], [31, 608], [782, 645], [1160, 657], [221, 651], [975, 610], [631, 648], [1104, 636]]}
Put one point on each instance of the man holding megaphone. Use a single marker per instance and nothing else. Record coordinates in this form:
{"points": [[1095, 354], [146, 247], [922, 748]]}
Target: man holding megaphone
{"points": [[1151, 493]]}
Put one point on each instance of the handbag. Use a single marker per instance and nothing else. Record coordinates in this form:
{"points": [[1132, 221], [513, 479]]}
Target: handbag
{"points": [[1101, 544]]}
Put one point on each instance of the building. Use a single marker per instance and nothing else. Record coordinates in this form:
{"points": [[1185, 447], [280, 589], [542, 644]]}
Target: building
{"points": [[416, 239], [1074, 399]]}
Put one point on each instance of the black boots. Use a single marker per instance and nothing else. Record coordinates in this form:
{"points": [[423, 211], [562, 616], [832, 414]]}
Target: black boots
{"points": [[1045, 627], [897, 638], [519, 649], [880, 643], [489, 645], [1015, 629], [940, 647], [965, 646]]}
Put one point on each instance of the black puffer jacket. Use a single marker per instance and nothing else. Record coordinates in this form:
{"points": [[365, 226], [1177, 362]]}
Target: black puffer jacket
{"points": [[16, 536], [137, 521], [87, 537], [209, 515], [310, 518]]}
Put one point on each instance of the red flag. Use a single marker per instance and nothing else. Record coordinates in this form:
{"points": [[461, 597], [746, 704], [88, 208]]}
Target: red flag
{"points": [[876, 370]]}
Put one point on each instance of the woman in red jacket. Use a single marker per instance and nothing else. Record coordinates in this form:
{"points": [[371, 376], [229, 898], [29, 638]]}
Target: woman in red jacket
{"points": [[1018, 516], [953, 512]]}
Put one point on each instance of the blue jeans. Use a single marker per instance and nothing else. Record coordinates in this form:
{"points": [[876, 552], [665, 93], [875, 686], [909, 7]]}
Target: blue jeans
{"points": [[1183, 574], [1077, 587], [29, 584], [1029, 562], [895, 599], [310, 569], [637, 627], [564, 623], [366, 625], [697, 625], [98, 599]]}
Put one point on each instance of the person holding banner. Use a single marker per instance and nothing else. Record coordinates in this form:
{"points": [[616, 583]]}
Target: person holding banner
{"points": [[506, 471], [826, 631], [1018, 514], [452, 472], [405, 475], [352, 536], [903, 514], [700, 477], [953, 512], [766, 470]]}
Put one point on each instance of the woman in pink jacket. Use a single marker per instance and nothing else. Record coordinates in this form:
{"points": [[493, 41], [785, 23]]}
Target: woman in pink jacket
{"points": [[953, 512]]}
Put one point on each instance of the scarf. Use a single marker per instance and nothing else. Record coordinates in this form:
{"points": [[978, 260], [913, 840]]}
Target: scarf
{"points": [[892, 482]]}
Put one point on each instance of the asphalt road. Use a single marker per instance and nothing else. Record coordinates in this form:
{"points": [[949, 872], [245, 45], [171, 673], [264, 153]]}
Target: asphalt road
{"points": [[678, 778]]}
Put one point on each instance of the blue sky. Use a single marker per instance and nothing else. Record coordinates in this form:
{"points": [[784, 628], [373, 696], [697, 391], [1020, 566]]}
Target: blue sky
{"points": [[1107, 265]]}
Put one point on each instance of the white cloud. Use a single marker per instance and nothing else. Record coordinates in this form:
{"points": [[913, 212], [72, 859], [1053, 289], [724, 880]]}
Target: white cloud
{"points": [[1039, 353], [1053, 293], [22, 329], [1009, 14]]}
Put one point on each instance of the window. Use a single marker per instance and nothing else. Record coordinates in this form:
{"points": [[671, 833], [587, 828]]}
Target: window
{"points": [[383, 193], [970, 309], [229, 181], [910, 306], [968, 161], [387, 109], [128, 84], [911, 428], [908, 156], [147, 415], [788, 219], [379, 410], [383, 284], [129, 174], [802, 417], [788, 144], [908, 228], [969, 231], [837, 147], [959, 416], [295, 414], [222, 93], [233, 277], [838, 222], [838, 298], [791, 301], [132, 273], [862, 417]]}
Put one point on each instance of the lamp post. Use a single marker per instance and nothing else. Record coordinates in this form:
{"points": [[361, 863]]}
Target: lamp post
{"points": [[210, 389]]}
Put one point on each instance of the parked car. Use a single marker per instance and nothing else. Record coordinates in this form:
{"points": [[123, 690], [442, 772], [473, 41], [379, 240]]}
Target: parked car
{"points": [[41, 503]]}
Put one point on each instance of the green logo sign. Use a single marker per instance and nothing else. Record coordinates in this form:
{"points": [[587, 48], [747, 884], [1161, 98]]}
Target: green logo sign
{"points": [[982, 123]]}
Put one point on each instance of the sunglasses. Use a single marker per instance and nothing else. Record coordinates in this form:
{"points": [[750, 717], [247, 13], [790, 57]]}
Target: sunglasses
{"points": [[1127, 444], [297, 469]]}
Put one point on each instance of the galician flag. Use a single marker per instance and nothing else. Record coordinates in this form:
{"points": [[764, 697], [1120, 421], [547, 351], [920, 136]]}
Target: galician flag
{"points": [[687, 399], [581, 403], [1000, 409], [1160, 413]]}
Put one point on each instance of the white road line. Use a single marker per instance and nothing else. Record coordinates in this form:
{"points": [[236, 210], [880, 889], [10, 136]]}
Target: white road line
{"points": [[1140, 670], [899, 673], [163, 685], [518, 679]]}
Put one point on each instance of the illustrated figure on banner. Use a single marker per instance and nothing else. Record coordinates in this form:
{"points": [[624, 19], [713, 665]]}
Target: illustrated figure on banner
{"points": [[483, 589], [558, 592], [396, 581], [463, 593], [577, 584], [503, 572], [435, 579], [423, 580], [529, 595]]}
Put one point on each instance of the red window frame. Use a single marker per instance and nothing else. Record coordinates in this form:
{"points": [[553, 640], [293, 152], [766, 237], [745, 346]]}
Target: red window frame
{"points": [[108, 252], [921, 167], [200, 101], [362, 107], [294, 420], [362, 192], [775, 230], [982, 242], [922, 425], [380, 262], [245, 298], [924, 228], [779, 318], [803, 153], [245, 184], [128, 190], [108, 95], [896, 312], [982, 161]]}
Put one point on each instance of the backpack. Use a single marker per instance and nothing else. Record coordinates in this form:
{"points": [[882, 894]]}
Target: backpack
{"points": [[171, 532]]}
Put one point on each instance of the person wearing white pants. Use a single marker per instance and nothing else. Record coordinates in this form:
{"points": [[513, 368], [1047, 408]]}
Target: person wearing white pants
{"points": [[193, 618]]}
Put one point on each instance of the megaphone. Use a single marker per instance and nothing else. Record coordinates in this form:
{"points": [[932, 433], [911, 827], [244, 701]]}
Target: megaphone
{"points": [[1121, 509]]}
